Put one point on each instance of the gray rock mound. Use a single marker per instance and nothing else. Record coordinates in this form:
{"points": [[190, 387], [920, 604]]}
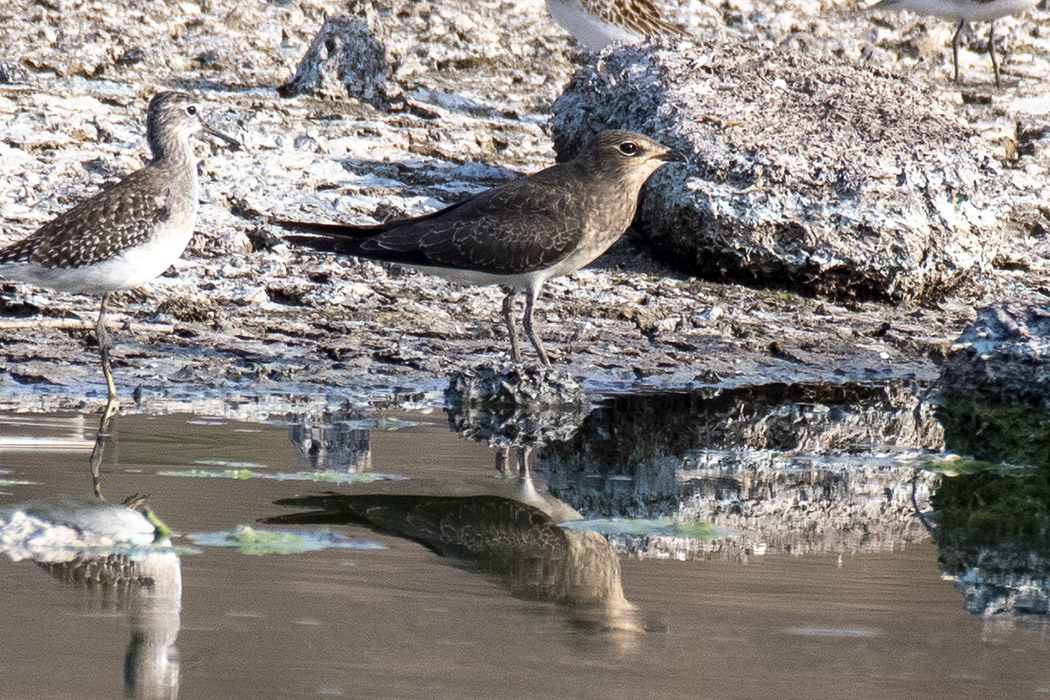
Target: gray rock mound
{"points": [[347, 58], [806, 172], [1004, 354]]}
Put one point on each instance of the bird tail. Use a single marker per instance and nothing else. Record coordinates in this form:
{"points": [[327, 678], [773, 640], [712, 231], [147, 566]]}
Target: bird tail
{"points": [[331, 230], [325, 243]]}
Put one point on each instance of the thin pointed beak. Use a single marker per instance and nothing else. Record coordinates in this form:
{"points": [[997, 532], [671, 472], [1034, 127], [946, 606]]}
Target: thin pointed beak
{"points": [[228, 139]]}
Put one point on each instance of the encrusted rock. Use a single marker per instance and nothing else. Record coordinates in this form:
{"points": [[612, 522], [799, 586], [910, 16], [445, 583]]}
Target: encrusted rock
{"points": [[1004, 354], [194, 309], [512, 384], [993, 393], [807, 172], [347, 58]]}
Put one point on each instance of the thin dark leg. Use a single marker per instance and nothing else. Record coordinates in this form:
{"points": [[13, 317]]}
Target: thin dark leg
{"points": [[530, 301], [955, 47], [991, 50], [508, 307], [100, 447], [503, 460], [103, 348]]}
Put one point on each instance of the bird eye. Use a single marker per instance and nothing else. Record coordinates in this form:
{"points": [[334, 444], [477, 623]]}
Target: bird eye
{"points": [[192, 110], [629, 148]]}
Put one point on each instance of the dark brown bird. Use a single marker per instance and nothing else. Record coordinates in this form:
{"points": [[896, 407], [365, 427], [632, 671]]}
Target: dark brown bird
{"points": [[517, 235]]}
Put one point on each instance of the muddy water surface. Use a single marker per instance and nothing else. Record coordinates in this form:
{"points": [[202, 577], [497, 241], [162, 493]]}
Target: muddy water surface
{"points": [[480, 598]]}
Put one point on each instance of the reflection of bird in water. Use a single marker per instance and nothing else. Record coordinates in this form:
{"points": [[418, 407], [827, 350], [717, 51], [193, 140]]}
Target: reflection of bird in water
{"points": [[123, 554], [520, 543]]}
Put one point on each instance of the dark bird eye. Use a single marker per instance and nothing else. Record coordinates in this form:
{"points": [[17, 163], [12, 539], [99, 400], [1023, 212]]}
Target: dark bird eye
{"points": [[629, 148], [192, 110]]}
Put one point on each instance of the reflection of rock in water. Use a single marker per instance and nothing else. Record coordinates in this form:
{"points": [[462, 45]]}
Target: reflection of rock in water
{"points": [[514, 406], [999, 591], [519, 543], [993, 521], [109, 550], [331, 440], [992, 537], [786, 468]]}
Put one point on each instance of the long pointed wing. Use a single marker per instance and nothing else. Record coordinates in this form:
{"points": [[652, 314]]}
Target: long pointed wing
{"points": [[519, 227]]}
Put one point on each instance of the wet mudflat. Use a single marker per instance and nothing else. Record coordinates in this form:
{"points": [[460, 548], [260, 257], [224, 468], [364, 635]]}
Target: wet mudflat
{"points": [[738, 559]]}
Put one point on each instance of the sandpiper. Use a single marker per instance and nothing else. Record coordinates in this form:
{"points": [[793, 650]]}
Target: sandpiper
{"points": [[517, 235], [129, 233], [964, 12], [598, 23]]}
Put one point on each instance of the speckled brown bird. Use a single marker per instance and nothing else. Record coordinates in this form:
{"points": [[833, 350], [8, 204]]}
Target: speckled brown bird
{"points": [[517, 235], [129, 233], [598, 23]]}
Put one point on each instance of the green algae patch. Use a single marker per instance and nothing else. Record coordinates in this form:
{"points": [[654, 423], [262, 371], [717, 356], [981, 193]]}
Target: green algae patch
{"points": [[17, 482], [328, 477], [163, 532], [255, 542], [663, 527], [959, 466]]}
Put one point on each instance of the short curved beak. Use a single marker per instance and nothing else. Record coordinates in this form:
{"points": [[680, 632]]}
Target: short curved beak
{"points": [[672, 156]]}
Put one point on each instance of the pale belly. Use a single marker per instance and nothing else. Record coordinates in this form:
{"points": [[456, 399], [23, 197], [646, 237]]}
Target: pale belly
{"points": [[128, 269], [969, 10], [588, 29], [522, 281]]}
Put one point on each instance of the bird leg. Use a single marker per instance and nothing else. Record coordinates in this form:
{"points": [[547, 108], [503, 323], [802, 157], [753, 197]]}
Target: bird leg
{"points": [[955, 47], [103, 348], [530, 300], [503, 459], [991, 50], [95, 460], [508, 307], [523, 460]]}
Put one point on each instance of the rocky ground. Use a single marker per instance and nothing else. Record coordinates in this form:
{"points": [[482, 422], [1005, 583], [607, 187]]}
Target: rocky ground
{"points": [[243, 318]]}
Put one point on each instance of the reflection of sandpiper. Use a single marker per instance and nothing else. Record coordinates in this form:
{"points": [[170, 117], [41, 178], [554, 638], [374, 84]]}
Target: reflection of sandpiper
{"points": [[127, 234], [121, 552]]}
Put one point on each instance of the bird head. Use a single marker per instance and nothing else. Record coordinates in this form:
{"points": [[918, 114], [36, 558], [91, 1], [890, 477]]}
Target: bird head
{"points": [[626, 154], [176, 116]]}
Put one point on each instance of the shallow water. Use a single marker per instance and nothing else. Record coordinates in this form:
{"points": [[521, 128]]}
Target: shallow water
{"points": [[747, 613]]}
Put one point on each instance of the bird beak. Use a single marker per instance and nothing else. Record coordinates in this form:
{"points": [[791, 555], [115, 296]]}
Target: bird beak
{"points": [[228, 139], [672, 156]]}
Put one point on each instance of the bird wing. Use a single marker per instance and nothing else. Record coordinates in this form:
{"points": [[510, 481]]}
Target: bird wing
{"points": [[520, 227], [352, 231], [117, 218]]}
